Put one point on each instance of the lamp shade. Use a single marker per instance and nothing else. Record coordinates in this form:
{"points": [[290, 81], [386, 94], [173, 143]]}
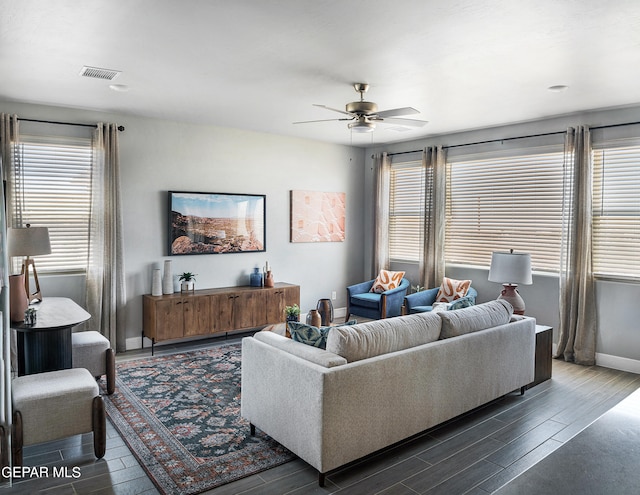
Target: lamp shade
{"points": [[29, 241], [510, 268]]}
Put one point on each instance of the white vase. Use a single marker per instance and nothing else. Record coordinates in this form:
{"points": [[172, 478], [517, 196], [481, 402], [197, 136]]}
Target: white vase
{"points": [[167, 279], [156, 283]]}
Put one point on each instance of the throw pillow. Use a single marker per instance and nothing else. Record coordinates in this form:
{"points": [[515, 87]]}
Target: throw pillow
{"points": [[452, 289], [461, 303], [310, 335], [386, 280]]}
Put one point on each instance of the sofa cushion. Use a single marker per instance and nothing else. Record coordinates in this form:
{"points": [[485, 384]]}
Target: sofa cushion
{"points": [[310, 335], [367, 300], [377, 337], [386, 280], [452, 289], [474, 318], [306, 352]]}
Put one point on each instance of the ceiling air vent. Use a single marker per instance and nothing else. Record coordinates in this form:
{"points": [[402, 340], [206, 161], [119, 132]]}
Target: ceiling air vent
{"points": [[97, 73]]}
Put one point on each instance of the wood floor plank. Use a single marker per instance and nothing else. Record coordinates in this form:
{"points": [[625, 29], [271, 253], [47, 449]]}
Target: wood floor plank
{"points": [[461, 441], [448, 468]]}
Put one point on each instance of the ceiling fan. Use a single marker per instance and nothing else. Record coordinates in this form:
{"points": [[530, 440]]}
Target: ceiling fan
{"points": [[364, 115]]}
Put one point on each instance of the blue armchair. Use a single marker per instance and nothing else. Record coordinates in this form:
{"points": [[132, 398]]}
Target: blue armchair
{"points": [[361, 302], [422, 301]]}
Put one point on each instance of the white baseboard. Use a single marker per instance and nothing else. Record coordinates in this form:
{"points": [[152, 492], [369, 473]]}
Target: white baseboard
{"points": [[613, 362], [618, 363], [136, 343]]}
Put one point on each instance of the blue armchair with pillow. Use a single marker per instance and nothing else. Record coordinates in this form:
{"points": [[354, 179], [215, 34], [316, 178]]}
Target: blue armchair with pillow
{"points": [[420, 302], [362, 302]]}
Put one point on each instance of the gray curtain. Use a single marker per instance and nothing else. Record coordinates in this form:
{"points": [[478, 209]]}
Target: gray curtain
{"points": [[432, 259], [382, 169], [577, 332], [106, 295], [8, 134]]}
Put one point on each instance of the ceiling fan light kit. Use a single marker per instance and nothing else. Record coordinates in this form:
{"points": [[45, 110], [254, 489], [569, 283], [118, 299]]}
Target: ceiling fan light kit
{"points": [[362, 126], [364, 115]]}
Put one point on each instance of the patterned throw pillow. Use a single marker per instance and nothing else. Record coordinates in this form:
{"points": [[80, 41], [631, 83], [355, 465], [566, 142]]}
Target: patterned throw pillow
{"points": [[451, 289], [386, 280], [310, 335]]}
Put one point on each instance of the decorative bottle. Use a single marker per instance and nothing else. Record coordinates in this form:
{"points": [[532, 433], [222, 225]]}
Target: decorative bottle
{"points": [[313, 318], [268, 279], [156, 283], [167, 279], [325, 308], [255, 278]]}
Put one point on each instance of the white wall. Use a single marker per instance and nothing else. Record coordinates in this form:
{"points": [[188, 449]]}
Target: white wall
{"points": [[618, 339], [157, 156]]}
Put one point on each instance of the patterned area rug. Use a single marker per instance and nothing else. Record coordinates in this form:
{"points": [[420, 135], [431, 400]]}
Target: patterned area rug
{"points": [[180, 416]]}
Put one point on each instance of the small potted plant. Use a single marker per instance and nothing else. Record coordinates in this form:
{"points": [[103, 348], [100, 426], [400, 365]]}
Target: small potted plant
{"points": [[187, 280], [292, 312]]}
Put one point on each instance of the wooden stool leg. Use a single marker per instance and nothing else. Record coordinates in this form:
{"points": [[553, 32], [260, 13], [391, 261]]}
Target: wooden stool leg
{"points": [[16, 441], [99, 428], [4, 449], [111, 371]]}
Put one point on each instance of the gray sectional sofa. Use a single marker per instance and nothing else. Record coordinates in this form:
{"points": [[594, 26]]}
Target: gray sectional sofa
{"points": [[380, 382]]}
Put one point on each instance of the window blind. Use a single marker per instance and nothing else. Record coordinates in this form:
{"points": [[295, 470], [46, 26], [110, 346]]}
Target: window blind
{"points": [[406, 211], [502, 203], [53, 189], [616, 211]]}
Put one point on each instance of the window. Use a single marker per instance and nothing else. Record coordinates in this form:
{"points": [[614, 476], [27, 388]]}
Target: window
{"points": [[53, 189], [502, 203], [616, 211], [406, 211]]}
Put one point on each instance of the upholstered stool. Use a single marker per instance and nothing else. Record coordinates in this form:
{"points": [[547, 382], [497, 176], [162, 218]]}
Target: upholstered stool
{"points": [[92, 351], [56, 404]]}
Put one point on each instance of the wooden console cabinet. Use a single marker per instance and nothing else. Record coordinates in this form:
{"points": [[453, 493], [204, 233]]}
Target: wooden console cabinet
{"points": [[211, 311]]}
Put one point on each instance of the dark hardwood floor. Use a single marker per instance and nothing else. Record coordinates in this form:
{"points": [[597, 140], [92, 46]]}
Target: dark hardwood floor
{"points": [[475, 454]]}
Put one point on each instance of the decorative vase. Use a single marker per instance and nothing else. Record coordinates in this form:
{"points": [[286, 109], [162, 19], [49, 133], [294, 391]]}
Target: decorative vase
{"points": [[156, 282], [255, 278], [268, 279], [313, 318], [325, 308], [293, 317], [167, 279], [18, 300]]}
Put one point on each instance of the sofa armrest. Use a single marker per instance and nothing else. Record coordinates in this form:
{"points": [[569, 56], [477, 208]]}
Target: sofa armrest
{"points": [[422, 298], [392, 299]]}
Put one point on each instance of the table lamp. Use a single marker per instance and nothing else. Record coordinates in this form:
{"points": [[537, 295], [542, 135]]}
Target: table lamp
{"points": [[29, 241], [511, 269]]}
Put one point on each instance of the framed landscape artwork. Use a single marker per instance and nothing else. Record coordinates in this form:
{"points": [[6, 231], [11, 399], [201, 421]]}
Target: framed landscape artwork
{"points": [[216, 223], [317, 216]]}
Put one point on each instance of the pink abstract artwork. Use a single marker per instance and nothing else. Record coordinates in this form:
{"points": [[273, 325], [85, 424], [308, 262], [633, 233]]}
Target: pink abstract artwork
{"points": [[317, 216]]}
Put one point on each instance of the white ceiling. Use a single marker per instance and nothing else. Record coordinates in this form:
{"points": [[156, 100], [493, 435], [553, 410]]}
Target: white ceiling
{"points": [[261, 64]]}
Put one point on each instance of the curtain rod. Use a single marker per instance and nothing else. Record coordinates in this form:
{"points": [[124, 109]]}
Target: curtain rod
{"points": [[516, 137], [120, 127]]}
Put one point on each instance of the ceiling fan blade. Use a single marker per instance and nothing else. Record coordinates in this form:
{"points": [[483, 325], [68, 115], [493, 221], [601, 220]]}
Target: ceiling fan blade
{"points": [[397, 111], [323, 120], [407, 122], [332, 109]]}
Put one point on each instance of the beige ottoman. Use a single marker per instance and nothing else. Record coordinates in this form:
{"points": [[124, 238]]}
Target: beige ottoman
{"points": [[91, 350], [56, 404]]}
